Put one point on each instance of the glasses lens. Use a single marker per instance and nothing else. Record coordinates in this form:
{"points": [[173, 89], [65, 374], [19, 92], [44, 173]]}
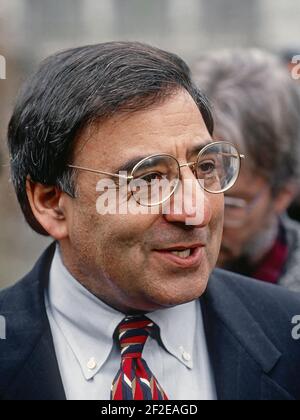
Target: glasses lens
{"points": [[218, 167], [154, 180]]}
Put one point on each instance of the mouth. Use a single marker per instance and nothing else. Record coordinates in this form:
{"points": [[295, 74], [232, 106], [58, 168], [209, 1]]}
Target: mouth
{"points": [[183, 256]]}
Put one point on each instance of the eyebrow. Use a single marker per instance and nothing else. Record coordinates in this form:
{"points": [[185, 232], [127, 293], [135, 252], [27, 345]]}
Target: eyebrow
{"points": [[130, 164], [197, 149]]}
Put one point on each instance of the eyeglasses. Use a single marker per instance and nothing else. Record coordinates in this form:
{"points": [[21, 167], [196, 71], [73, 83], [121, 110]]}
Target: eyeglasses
{"points": [[237, 210], [217, 168]]}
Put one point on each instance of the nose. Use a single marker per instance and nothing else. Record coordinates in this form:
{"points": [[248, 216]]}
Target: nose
{"points": [[190, 204]]}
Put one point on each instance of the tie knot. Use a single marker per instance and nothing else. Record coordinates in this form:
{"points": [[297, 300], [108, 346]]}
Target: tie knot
{"points": [[133, 333]]}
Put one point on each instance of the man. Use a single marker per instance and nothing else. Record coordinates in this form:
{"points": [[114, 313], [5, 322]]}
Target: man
{"points": [[257, 107], [117, 307]]}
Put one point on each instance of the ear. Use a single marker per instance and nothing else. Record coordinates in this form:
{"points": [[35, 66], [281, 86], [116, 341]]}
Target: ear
{"points": [[285, 198], [45, 204]]}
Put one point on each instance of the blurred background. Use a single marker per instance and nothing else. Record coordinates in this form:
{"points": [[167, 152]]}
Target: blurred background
{"points": [[32, 29]]}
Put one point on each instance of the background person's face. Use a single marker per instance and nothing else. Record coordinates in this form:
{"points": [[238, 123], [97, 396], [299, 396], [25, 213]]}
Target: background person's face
{"points": [[259, 217], [115, 256]]}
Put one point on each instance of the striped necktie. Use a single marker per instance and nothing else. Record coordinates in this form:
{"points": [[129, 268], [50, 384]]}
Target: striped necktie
{"points": [[134, 380]]}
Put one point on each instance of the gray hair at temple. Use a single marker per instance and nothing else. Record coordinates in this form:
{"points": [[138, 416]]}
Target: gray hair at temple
{"points": [[256, 105]]}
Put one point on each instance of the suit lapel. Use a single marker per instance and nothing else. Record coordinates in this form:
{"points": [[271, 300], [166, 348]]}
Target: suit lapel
{"points": [[242, 355], [39, 378], [32, 371]]}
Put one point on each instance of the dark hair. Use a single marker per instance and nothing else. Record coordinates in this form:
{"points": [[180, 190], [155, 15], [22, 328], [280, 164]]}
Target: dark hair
{"points": [[73, 89]]}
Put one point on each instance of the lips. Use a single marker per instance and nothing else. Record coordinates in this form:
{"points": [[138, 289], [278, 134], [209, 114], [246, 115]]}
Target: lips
{"points": [[189, 256]]}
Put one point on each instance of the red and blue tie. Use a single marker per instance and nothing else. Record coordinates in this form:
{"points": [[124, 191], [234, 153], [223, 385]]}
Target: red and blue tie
{"points": [[134, 380]]}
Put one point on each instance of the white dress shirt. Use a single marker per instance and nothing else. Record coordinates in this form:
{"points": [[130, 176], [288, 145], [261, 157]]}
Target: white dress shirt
{"points": [[82, 327]]}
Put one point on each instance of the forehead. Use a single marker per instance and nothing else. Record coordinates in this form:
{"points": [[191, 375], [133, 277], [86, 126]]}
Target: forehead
{"points": [[171, 127]]}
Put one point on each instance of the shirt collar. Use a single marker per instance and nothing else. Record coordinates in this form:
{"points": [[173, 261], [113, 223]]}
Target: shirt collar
{"points": [[177, 330], [88, 324]]}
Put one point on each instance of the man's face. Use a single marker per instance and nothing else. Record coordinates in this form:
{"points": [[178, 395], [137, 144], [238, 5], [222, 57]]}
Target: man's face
{"points": [[259, 215], [124, 259]]}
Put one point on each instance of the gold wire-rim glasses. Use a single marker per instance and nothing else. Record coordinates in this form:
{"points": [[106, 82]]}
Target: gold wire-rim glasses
{"points": [[183, 165]]}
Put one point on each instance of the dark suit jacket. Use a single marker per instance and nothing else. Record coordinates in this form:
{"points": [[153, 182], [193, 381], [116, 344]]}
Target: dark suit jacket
{"points": [[248, 329]]}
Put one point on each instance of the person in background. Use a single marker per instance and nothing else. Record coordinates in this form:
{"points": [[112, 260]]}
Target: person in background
{"points": [[291, 59], [257, 107]]}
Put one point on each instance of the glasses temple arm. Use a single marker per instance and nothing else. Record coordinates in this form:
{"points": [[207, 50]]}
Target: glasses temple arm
{"points": [[94, 171]]}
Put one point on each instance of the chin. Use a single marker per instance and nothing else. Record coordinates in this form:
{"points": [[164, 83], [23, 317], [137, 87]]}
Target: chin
{"points": [[180, 297], [173, 302]]}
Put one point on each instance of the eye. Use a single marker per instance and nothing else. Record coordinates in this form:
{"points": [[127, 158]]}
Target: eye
{"points": [[207, 167], [152, 176]]}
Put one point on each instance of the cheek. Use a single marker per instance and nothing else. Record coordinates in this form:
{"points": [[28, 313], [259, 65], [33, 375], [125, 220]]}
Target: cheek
{"points": [[260, 217], [216, 227], [109, 246], [217, 218], [119, 239]]}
